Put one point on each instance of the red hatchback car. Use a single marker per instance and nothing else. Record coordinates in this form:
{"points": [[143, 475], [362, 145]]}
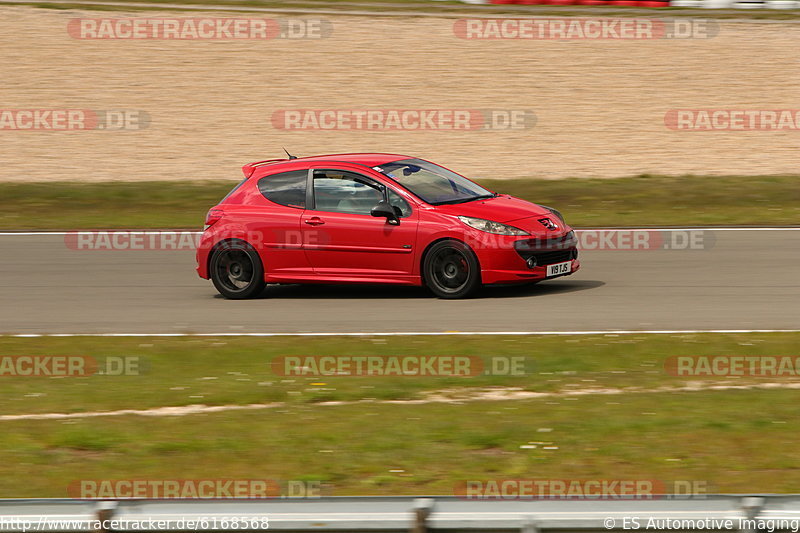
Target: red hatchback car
{"points": [[377, 218]]}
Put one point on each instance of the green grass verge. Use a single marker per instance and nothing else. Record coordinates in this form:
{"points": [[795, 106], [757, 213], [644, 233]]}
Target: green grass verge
{"points": [[636, 201], [741, 440], [734, 441], [237, 370]]}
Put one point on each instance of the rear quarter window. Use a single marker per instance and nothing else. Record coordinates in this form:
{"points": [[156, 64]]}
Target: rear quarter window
{"points": [[286, 188]]}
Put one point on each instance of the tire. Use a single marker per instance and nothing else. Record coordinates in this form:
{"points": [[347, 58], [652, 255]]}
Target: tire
{"points": [[451, 270], [236, 271]]}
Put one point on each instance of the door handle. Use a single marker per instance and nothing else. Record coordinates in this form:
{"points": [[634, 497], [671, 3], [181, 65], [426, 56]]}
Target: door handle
{"points": [[314, 221]]}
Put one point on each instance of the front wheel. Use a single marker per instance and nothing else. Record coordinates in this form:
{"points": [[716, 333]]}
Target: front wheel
{"points": [[451, 270], [236, 271]]}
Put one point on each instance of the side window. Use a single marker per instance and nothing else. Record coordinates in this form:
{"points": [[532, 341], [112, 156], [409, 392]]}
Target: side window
{"points": [[345, 192], [286, 188], [399, 203]]}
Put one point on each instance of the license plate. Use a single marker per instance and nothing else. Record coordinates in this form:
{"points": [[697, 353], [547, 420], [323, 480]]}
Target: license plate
{"points": [[559, 269]]}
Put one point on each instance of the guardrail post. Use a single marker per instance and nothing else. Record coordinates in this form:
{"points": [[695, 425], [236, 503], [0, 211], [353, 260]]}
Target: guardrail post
{"points": [[105, 511], [752, 506], [529, 526], [422, 510]]}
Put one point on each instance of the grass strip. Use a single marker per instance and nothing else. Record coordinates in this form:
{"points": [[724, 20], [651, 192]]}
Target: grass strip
{"points": [[636, 201], [729, 441], [239, 370]]}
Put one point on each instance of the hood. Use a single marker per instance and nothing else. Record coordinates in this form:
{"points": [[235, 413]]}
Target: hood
{"points": [[502, 208]]}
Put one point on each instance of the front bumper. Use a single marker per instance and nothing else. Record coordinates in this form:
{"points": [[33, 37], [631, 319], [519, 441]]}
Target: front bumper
{"points": [[508, 259], [500, 277]]}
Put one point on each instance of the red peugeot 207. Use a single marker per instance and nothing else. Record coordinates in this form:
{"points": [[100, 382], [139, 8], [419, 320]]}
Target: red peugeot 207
{"points": [[377, 218]]}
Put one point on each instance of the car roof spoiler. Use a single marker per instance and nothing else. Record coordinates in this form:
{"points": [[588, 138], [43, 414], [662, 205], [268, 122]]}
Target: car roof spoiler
{"points": [[249, 168]]}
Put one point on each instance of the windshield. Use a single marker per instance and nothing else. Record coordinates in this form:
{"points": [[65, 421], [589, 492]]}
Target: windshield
{"points": [[433, 184]]}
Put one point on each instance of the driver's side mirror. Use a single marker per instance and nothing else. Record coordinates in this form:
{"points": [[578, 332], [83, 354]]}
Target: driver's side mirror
{"points": [[383, 209]]}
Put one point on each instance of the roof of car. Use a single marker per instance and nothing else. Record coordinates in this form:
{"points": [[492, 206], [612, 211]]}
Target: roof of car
{"points": [[360, 158], [369, 159]]}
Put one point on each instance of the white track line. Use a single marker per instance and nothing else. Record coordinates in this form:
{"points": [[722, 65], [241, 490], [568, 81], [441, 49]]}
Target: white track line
{"points": [[408, 333], [159, 232]]}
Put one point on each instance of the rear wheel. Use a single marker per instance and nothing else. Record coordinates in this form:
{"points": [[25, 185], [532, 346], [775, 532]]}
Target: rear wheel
{"points": [[236, 271], [451, 270]]}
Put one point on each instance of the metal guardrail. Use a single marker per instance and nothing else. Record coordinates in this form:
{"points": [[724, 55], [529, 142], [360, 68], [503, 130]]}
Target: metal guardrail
{"points": [[416, 515]]}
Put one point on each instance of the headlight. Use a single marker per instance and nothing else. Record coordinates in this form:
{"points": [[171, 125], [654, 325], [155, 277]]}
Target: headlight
{"points": [[556, 212], [491, 227]]}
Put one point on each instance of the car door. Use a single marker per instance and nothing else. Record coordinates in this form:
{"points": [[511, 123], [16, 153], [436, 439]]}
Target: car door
{"points": [[341, 238], [275, 224]]}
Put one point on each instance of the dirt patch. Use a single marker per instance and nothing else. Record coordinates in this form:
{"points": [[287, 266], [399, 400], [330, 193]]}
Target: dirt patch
{"points": [[451, 396], [600, 104]]}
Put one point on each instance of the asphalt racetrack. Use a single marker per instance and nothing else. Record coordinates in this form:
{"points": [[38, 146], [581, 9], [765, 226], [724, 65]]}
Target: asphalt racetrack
{"points": [[737, 280]]}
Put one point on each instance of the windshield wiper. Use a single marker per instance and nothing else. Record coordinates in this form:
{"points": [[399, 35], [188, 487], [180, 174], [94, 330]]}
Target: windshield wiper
{"points": [[465, 200], [482, 197]]}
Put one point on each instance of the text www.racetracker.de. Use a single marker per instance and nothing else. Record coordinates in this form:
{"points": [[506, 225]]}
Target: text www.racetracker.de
{"points": [[203, 523]]}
